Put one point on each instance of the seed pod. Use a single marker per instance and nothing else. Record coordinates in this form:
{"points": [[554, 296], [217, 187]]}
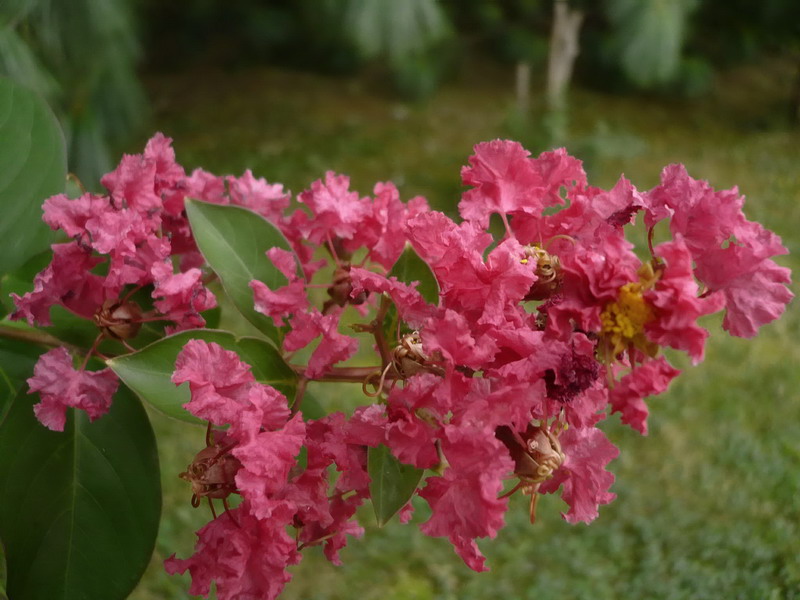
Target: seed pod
{"points": [[119, 320], [212, 473]]}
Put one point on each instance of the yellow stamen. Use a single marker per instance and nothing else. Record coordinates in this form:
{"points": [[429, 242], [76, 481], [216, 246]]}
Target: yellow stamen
{"points": [[623, 320]]}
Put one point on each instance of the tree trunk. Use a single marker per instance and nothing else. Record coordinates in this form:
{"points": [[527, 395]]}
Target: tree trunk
{"points": [[523, 85], [563, 52]]}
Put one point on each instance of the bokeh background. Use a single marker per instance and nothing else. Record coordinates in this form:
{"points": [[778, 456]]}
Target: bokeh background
{"points": [[709, 503]]}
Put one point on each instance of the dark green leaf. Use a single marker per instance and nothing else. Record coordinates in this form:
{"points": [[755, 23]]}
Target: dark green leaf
{"points": [[310, 407], [17, 359], [79, 509], [33, 166], [148, 372], [408, 268], [392, 483], [233, 241]]}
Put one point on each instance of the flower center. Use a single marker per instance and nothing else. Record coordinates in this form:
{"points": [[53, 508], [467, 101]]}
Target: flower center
{"points": [[624, 319]]}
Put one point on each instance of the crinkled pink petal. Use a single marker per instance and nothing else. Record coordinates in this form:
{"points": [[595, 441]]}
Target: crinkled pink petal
{"points": [[131, 262], [181, 297], [583, 475], [416, 413], [308, 493], [60, 212], [627, 396], [66, 280], [169, 174], [303, 329], [109, 231], [367, 426], [406, 513], [330, 438], [592, 277], [383, 231], [675, 298], [267, 457], [591, 213], [464, 500], [132, 184], [333, 347], [334, 535], [756, 299], [159, 150], [205, 186], [244, 556], [449, 334], [411, 306], [287, 300], [584, 410], [60, 387], [207, 363], [269, 408], [411, 439], [703, 216], [506, 282], [503, 179], [502, 405], [467, 283], [284, 261], [443, 244], [754, 286], [731, 254], [337, 212], [268, 200], [507, 181]]}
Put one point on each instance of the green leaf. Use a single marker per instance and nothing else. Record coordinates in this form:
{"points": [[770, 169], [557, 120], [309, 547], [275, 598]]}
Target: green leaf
{"points": [[79, 509], [392, 483], [311, 408], [148, 372], [233, 241], [17, 359], [33, 166], [408, 268]]}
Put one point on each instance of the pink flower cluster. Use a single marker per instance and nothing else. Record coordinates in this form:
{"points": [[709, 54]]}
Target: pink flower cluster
{"points": [[538, 334], [132, 237], [247, 550], [498, 386]]}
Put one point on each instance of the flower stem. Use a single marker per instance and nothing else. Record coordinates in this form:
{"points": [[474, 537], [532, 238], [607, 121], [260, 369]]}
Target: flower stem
{"points": [[32, 336], [342, 374]]}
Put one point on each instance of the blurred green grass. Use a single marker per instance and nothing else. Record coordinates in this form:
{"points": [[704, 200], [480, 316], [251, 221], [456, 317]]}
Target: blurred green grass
{"points": [[709, 503]]}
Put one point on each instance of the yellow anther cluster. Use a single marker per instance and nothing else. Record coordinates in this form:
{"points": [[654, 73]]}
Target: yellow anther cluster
{"points": [[624, 320]]}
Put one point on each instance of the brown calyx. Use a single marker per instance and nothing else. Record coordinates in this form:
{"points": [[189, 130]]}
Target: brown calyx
{"points": [[548, 273], [118, 319], [212, 473], [340, 289], [537, 455]]}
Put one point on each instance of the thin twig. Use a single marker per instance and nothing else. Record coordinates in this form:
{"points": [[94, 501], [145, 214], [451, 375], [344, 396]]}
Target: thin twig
{"points": [[33, 336]]}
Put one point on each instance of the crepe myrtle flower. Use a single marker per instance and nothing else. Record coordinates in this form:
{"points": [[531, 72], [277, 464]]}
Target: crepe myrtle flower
{"points": [[498, 386]]}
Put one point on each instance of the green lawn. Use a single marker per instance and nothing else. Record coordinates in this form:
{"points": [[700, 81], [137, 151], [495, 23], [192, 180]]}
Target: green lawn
{"points": [[709, 503]]}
